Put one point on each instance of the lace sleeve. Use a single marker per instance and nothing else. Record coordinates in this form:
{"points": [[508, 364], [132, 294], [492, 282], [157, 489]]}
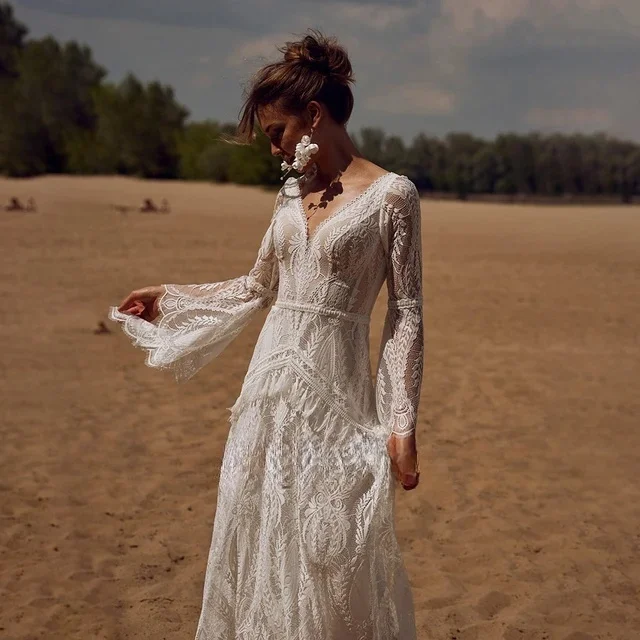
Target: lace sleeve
{"points": [[400, 365], [198, 321]]}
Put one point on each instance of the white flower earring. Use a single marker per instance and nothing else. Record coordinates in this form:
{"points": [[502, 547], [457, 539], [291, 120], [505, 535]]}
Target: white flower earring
{"points": [[304, 150]]}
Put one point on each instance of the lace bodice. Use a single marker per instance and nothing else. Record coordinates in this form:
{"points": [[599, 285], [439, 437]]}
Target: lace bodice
{"points": [[322, 288]]}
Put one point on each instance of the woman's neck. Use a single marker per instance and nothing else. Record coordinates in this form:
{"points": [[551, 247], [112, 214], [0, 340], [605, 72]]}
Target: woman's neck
{"points": [[333, 162]]}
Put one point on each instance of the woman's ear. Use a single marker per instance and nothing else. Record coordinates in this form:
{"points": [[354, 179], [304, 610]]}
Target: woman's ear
{"points": [[315, 111]]}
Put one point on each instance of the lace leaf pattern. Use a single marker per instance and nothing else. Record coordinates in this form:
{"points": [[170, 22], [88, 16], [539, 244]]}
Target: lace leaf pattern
{"points": [[198, 321], [400, 366]]}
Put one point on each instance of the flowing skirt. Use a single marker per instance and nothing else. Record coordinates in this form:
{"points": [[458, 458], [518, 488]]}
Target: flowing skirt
{"points": [[303, 544]]}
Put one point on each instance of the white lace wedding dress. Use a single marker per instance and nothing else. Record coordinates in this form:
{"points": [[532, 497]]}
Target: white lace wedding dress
{"points": [[303, 544]]}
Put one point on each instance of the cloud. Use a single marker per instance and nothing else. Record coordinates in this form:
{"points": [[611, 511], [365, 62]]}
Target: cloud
{"points": [[483, 66], [250, 15], [378, 17], [483, 19], [464, 28], [258, 50], [480, 19], [202, 14], [415, 98], [578, 118], [552, 64], [201, 80]]}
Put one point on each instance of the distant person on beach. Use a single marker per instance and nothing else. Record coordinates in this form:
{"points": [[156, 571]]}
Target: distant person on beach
{"points": [[14, 205], [148, 206]]}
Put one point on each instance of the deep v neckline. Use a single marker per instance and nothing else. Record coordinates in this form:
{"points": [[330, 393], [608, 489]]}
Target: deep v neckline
{"points": [[300, 206]]}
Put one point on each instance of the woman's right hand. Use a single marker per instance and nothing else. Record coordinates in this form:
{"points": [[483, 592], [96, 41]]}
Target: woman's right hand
{"points": [[143, 303], [405, 465]]}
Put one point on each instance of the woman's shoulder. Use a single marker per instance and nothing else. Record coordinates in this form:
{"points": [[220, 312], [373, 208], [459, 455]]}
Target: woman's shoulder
{"points": [[398, 181], [401, 187]]}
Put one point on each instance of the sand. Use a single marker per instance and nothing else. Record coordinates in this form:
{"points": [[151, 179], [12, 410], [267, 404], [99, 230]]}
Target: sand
{"points": [[525, 525]]}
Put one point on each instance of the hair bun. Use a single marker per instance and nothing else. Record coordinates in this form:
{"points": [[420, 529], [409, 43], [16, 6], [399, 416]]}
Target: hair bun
{"points": [[322, 54]]}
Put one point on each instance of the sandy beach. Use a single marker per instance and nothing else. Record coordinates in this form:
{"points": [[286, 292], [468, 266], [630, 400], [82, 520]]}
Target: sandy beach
{"points": [[526, 523]]}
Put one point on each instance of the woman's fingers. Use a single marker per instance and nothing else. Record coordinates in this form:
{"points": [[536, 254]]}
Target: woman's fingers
{"points": [[138, 308], [408, 479], [146, 298], [411, 475], [404, 461], [128, 302], [134, 308], [147, 314], [135, 299]]}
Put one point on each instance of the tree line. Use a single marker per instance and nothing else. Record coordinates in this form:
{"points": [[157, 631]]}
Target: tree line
{"points": [[58, 114]]}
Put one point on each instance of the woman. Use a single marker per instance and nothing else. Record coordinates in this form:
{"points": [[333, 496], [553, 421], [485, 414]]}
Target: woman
{"points": [[303, 543]]}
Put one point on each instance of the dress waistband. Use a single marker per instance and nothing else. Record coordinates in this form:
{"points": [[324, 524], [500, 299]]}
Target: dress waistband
{"points": [[323, 310]]}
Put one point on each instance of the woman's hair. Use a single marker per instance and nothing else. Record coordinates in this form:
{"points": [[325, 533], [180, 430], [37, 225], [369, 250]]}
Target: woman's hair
{"points": [[313, 68]]}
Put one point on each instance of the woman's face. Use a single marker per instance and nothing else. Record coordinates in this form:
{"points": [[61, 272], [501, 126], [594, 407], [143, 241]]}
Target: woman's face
{"points": [[283, 130]]}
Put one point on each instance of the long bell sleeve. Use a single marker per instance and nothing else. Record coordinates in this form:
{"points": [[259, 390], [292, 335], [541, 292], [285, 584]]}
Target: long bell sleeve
{"points": [[196, 322], [400, 364]]}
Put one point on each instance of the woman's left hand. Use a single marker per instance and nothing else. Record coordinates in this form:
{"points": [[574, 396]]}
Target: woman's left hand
{"points": [[404, 459]]}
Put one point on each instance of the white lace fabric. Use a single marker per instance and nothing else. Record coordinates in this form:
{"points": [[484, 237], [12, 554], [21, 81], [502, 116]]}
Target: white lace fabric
{"points": [[338, 271], [303, 542]]}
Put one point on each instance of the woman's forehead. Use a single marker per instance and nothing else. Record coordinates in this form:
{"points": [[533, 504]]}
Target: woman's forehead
{"points": [[268, 115]]}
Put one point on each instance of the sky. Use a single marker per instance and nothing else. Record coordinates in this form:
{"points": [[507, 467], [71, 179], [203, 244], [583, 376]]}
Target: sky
{"points": [[422, 66]]}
